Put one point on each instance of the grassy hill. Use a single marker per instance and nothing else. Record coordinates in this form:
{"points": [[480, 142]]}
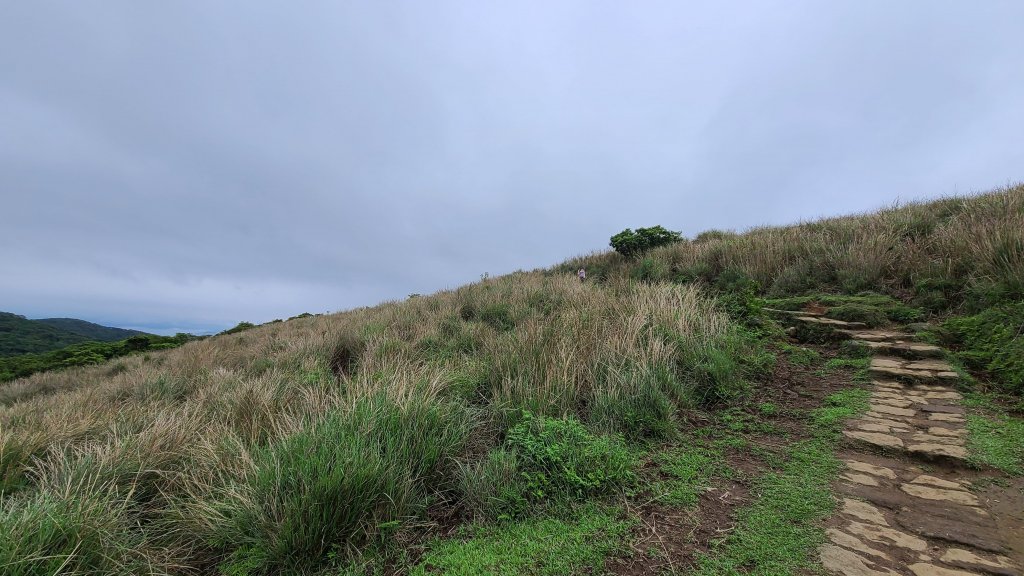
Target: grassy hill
{"points": [[520, 425], [19, 335]]}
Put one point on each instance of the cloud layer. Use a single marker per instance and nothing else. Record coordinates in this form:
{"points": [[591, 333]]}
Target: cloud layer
{"points": [[188, 165]]}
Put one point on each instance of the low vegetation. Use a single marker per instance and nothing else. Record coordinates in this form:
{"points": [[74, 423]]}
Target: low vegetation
{"points": [[83, 354], [507, 427]]}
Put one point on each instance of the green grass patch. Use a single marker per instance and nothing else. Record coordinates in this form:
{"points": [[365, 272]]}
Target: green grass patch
{"points": [[858, 365], [800, 355], [780, 531], [995, 438], [687, 470], [537, 547]]}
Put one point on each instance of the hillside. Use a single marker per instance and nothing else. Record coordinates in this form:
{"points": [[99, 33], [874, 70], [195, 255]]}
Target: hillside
{"points": [[90, 330], [665, 416], [19, 335]]}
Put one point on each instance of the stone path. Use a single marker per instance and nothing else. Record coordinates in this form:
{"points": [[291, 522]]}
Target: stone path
{"points": [[905, 507]]}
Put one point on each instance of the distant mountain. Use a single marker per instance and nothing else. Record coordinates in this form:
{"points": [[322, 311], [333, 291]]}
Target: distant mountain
{"points": [[89, 330], [19, 335]]}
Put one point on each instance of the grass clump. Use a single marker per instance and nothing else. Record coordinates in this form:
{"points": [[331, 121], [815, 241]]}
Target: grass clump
{"points": [[560, 458], [535, 547], [84, 530], [686, 470], [992, 341], [869, 315], [332, 485], [995, 437]]}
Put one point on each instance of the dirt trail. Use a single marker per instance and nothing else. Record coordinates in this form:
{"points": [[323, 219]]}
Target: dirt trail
{"points": [[907, 503]]}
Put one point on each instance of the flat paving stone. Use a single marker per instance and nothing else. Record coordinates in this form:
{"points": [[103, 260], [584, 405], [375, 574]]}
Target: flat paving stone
{"points": [[930, 493], [887, 535], [891, 410], [879, 471], [840, 538], [863, 511], [939, 482], [994, 564], [923, 569], [933, 450], [875, 438], [842, 561]]}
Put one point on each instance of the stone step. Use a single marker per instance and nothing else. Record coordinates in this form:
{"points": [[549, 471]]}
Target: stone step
{"points": [[913, 371], [902, 348], [879, 335], [779, 312], [830, 322]]}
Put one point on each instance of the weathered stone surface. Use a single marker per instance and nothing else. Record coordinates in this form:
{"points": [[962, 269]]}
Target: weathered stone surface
{"points": [[894, 411], [890, 384], [922, 569], [939, 417], [886, 535], [942, 408], [874, 438], [943, 395], [845, 540], [886, 362], [957, 530], [948, 375], [938, 365], [863, 511], [934, 450], [940, 431], [896, 424], [931, 439], [938, 482], [842, 561], [995, 564], [894, 402], [871, 469], [929, 493], [872, 427], [860, 479]]}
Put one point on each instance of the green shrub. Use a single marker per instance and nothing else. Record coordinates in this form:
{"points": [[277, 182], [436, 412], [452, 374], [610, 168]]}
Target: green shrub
{"points": [[642, 411], [650, 270], [631, 244], [498, 316], [337, 482], [560, 458], [869, 315], [992, 341], [240, 327]]}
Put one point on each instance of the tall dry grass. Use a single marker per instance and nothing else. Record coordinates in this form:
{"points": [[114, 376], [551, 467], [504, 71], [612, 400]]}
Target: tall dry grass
{"points": [[221, 451], [939, 254]]}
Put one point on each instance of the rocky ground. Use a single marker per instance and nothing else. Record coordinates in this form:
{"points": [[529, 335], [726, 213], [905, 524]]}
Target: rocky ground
{"points": [[908, 502]]}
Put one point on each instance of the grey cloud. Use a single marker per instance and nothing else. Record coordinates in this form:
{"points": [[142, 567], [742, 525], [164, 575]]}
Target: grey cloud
{"points": [[196, 164]]}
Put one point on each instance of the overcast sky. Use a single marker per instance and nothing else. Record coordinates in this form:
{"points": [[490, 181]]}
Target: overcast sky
{"points": [[186, 165]]}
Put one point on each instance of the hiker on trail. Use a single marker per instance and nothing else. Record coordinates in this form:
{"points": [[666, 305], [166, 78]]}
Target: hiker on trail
{"points": [[582, 274]]}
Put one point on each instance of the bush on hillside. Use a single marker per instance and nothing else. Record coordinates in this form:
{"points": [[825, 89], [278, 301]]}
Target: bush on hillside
{"points": [[631, 244], [560, 457], [993, 341], [869, 315]]}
